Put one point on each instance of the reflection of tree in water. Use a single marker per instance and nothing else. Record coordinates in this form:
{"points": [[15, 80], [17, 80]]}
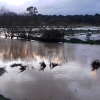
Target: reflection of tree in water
{"points": [[15, 50], [37, 51], [54, 52], [69, 52], [32, 50]]}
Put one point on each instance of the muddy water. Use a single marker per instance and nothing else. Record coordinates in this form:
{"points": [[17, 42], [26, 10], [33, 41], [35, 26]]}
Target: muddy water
{"points": [[71, 80]]}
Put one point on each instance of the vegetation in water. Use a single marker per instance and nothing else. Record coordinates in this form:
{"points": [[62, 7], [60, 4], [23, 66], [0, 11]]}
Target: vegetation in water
{"points": [[47, 28]]}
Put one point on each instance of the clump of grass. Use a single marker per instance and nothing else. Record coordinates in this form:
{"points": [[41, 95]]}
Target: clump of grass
{"points": [[95, 65]]}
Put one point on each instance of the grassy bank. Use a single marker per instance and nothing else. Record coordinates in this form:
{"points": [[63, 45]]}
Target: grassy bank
{"points": [[74, 40]]}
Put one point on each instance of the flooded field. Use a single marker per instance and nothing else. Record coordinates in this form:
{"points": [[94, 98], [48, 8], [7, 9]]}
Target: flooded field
{"points": [[65, 75]]}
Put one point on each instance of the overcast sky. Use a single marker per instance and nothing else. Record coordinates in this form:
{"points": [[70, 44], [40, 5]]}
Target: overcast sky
{"points": [[52, 7]]}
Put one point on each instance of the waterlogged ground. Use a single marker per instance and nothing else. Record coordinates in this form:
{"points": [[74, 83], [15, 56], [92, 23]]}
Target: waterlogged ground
{"points": [[71, 80]]}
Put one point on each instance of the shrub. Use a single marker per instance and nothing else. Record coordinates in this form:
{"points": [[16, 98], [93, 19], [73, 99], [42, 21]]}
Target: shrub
{"points": [[52, 35]]}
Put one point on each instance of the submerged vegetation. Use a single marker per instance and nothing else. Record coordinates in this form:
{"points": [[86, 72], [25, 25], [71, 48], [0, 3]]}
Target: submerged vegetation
{"points": [[95, 65], [2, 71], [51, 36]]}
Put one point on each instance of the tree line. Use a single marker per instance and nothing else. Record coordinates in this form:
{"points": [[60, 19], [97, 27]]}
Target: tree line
{"points": [[9, 18], [25, 23]]}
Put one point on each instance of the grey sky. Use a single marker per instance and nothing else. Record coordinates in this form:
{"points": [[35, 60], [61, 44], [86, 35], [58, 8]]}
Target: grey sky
{"points": [[59, 7]]}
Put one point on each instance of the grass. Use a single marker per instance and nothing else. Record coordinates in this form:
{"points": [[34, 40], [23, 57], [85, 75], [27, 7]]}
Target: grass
{"points": [[74, 40]]}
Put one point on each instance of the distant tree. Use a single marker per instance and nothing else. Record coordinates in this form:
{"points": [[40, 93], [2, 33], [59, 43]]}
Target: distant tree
{"points": [[32, 20], [32, 10], [97, 14]]}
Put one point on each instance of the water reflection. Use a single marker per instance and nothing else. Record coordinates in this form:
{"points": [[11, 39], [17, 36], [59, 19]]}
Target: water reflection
{"points": [[65, 71], [26, 50], [93, 74]]}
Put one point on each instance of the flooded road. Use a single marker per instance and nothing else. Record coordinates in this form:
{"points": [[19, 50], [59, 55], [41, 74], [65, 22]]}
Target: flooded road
{"points": [[72, 79]]}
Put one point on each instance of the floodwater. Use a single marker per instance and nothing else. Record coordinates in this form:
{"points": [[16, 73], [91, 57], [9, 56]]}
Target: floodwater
{"points": [[72, 79]]}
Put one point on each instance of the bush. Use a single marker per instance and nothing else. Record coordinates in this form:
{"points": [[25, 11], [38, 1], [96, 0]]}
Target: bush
{"points": [[52, 36]]}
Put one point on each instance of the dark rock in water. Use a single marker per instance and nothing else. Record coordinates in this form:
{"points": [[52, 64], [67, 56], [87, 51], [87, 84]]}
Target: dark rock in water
{"points": [[95, 65], [2, 71]]}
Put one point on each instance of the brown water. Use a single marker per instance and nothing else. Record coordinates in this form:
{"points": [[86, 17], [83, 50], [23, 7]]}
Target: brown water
{"points": [[71, 80]]}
